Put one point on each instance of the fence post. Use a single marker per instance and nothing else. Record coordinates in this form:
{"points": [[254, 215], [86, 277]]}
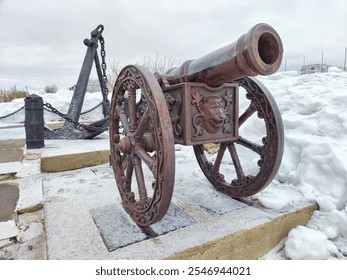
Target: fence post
{"points": [[34, 124]]}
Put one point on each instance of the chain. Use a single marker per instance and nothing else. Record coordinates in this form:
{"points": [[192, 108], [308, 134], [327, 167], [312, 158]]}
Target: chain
{"points": [[103, 62], [11, 114], [79, 125], [88, 111]]}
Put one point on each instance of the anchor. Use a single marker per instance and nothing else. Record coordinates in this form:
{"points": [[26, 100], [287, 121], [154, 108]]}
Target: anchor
{"points": [[72, 129]]}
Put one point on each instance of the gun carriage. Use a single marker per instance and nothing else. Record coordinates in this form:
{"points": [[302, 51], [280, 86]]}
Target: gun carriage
{"points": [[205, 101]]}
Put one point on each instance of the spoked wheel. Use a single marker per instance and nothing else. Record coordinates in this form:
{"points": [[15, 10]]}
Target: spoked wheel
{"points": [[244, 167], [142, 145]]}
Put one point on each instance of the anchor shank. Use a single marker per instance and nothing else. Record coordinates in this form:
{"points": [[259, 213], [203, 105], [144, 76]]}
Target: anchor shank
{"points": [[82, 83]]}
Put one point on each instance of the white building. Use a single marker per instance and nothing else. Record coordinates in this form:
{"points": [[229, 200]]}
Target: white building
{"points": [[93, 86], [316, 68]]}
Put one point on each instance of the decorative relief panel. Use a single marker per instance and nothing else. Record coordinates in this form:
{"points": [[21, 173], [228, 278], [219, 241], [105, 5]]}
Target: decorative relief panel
{"points": [[202, 114]]}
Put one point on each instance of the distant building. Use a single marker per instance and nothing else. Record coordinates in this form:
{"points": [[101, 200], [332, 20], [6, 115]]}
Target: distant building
{"points": [[93, 86], [316, 68]]}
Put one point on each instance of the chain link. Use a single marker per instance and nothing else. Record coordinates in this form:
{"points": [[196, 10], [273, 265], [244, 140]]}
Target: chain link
{"points": [[103, 61], [11, 114], [48, 107], [88, 111]]}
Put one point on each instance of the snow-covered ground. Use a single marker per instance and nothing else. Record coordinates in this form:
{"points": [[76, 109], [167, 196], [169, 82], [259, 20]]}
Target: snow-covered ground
{"points": [[313, 109], [314, 113]]}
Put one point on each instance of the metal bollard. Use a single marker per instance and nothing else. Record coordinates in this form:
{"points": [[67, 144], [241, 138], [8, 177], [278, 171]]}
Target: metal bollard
{"points": [[34, 124]]}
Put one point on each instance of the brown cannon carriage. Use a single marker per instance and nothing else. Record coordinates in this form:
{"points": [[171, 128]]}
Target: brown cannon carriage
{"points": [[206, 103]]}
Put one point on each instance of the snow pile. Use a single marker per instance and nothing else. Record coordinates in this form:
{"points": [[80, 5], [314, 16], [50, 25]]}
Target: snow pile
{"points": [[59, 100], [314, 112], [313, 109], [304, 243]]}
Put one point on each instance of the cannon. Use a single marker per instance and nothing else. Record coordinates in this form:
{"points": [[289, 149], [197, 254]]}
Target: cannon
{"points": [[212, 103]]}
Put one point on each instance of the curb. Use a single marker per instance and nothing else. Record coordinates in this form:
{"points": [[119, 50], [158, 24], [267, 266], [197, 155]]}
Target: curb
{"points": [[249, 244], [74, 161]]}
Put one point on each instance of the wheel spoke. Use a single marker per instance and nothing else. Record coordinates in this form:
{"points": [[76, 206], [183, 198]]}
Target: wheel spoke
{"points": [[143, 125], [247, 113], [128, 176], [123, 119], [219, 157], [125, 161], [236, 161], [250, 145], [148, 160], [140, 177], [132, 110]]}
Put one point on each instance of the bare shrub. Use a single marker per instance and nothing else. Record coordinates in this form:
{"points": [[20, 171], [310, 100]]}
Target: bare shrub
{"points": [[114, 72], [155, 64], [159, 64], [51, 88]]}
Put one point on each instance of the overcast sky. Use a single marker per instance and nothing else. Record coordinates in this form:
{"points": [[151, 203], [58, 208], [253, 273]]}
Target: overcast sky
{"points": [[41, 41]]}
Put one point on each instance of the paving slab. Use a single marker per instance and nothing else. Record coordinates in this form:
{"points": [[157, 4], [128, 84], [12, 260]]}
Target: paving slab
{"points": [[11, 154], [110, 219], [9, 194], [30, 195], [8, 229]]}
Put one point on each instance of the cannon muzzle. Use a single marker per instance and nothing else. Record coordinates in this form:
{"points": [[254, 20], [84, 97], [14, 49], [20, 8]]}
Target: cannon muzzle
{"points": [[258, 52]]}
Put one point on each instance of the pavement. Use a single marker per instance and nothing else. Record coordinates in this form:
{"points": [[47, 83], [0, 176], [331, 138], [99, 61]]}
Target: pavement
{"points": [[61, 202]]}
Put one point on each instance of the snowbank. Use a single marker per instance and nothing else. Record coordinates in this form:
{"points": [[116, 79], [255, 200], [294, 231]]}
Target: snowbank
{"points": [[313, 109], [59, 100]]}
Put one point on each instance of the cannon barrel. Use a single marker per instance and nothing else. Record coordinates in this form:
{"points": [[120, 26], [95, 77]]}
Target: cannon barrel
{"points": [[258, 52]]}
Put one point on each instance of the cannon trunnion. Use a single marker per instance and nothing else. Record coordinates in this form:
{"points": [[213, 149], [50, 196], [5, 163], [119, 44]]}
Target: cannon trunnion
{"points": [[210, 103]]}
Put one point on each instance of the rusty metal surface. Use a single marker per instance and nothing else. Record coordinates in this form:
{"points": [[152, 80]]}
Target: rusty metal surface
{"points": [[144, 139], [268, 149], [202, 114], [259, 52]]}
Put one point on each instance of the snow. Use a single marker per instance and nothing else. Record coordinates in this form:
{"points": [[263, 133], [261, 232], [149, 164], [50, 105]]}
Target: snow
{"points": [[304, 243], [313, 109], [8, 229], [59, 100]]}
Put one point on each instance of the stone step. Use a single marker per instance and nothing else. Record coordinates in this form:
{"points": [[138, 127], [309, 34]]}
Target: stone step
{"points": [[84, 219]]}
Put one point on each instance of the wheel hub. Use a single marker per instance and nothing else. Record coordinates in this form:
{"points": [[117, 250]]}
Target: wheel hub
{"points": [[125, 145]]}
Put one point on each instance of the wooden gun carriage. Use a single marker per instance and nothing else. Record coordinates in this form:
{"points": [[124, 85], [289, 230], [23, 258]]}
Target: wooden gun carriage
{"points": [[205, 103]]}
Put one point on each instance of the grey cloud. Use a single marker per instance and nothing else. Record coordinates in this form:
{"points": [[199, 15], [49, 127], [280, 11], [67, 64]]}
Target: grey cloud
{"points": [[44, 38]]}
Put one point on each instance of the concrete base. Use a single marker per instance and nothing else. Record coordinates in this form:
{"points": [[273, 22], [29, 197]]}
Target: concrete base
{"points": [[84, 220], [83, 217], [250, 244], [63, 155]]}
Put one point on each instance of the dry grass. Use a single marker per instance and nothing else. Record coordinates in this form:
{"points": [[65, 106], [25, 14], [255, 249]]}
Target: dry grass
{"points": [[9, 95]]}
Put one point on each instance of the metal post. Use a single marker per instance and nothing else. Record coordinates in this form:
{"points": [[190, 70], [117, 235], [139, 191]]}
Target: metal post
{"points": [[34, 124], [344, 65]]}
